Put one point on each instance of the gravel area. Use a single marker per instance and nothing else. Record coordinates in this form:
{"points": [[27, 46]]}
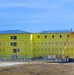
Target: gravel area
{"points": [[10, 63]]}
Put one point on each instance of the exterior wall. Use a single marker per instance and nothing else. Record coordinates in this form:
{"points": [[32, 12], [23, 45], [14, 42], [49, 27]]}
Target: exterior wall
{"points": [[52, 44], [15, 46], [27, 46]]}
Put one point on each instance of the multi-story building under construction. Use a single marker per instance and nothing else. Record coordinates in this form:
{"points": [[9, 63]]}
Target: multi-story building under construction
{"points": [[15, 44]]}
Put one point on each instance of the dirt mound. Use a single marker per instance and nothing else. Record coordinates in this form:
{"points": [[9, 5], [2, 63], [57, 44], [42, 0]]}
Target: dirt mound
{"points": [[38, 69]]}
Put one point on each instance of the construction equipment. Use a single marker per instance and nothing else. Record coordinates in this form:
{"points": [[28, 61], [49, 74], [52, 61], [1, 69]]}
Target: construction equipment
{"points": [[62, 55]]}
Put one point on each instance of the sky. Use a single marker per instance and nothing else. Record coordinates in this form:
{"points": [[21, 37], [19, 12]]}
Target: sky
{"points": [[36, 15]]}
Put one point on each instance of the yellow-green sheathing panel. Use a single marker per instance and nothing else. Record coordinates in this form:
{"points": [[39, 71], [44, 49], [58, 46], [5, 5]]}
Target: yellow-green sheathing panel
{"points": [[34, 45], [24, 43], [45, 44]]}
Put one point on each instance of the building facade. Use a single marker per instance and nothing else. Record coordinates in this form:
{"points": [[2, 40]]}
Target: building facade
{"points": [[16, 46], [36, 45]]}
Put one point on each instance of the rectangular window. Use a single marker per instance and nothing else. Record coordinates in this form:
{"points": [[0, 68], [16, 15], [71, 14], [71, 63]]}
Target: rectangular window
{"points": [[14, 44], [18, 50], [38, 36], [67, 35], [60, 36], [14, 50], [11, 37], [45, 36], [11, 44], [52, 36], [14, 37]]}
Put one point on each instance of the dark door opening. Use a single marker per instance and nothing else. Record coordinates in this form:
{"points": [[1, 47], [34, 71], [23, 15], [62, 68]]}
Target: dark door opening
{"points": [[14, 57]]}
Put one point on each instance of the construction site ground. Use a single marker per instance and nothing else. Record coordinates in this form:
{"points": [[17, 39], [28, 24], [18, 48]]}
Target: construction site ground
{"points": [[36, 68]]}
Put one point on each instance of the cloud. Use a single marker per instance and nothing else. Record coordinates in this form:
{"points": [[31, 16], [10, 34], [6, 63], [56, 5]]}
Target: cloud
{"points": [[35, 4], [54, 11], [29, 4], [58, 14]]}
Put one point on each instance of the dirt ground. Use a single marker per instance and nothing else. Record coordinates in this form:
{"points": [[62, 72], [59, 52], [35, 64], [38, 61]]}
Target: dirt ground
{"points": [[38, 68]]}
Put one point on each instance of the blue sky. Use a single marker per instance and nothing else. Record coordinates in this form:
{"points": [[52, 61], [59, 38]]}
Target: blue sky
{"points": [[36, 15]]}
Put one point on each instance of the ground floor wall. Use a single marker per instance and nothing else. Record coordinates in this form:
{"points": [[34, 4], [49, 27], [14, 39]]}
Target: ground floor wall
{"points": [[36, 55]]}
